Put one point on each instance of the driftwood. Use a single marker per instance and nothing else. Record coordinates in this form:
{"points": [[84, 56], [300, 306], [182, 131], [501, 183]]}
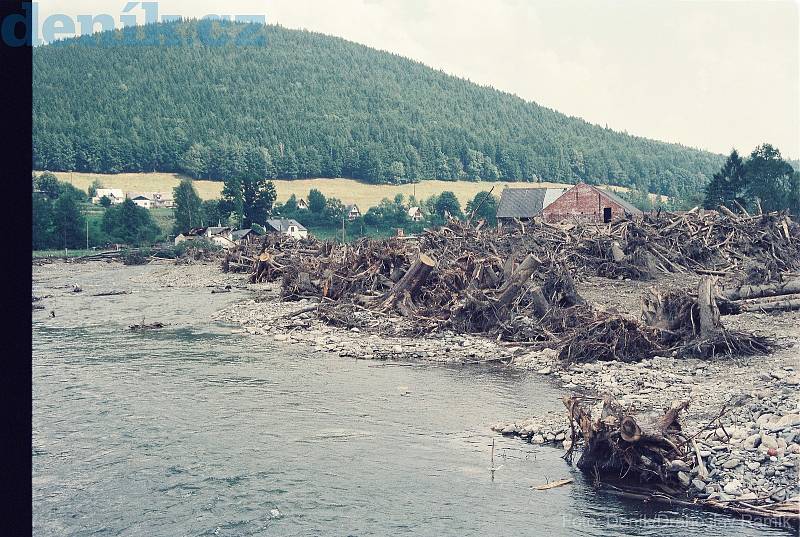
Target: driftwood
{"points": [[619, 444], [518, 284], [143, 326], [641, 457], [411, 280], [518, 280], [788, 287]]}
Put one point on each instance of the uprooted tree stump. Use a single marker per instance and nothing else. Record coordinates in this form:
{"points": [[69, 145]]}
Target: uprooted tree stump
{"points": [[690, 323], [618, 444], [650, 458]]}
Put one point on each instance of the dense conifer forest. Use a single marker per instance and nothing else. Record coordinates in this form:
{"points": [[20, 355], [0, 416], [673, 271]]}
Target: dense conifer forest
{"points": [[187, 97]]}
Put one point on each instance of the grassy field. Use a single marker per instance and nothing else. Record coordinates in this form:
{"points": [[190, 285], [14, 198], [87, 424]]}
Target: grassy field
{"points": [[347, 190]]}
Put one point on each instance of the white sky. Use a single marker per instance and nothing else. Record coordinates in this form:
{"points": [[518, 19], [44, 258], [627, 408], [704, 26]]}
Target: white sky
{"points": [[709, 74]]}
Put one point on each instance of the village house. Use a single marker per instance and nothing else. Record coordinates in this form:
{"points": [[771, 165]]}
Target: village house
{"points": [[223, 236], [245, 236], [301, 204], [115, 195], [588, 203], [191, 235], [415, 214], [163, 200], [142, 201], [352, 212], [151, 200], [287, 226], [525, 203]]}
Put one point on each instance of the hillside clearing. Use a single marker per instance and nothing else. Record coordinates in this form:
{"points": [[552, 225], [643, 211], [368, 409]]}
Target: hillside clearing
{"points": [[348, 190]]}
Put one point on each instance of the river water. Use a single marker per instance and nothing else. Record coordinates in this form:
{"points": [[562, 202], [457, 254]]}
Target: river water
{"points": [[200, 430]]}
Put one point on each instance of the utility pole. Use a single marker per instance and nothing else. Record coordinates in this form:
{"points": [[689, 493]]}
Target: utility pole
{"points": [[87, 233]]}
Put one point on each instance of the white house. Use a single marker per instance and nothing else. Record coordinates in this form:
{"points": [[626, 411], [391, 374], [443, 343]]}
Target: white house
{"points": [[143, 201], [287, 226], [301, 204], [352, 212], [116, 195], [218, 231], [415, 214]]}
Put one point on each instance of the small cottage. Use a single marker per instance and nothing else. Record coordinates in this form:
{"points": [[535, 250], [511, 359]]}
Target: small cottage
{"points": [[115, 195], [163, 200], [352, 212], [143, 201], [301, 204], [287, 226], [588, 203], [415, 214]]}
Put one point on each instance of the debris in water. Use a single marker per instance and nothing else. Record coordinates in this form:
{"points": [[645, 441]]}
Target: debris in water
{"points": [[554, 484], [151, 326]]}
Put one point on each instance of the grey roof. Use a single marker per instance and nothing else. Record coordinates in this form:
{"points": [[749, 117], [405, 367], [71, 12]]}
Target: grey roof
{"points": [[629, 208], [240, 233], [282, 224], [521, 202]]}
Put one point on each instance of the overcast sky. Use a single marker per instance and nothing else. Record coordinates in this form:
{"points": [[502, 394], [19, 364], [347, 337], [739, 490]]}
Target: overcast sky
{"points": [[709, 74]]}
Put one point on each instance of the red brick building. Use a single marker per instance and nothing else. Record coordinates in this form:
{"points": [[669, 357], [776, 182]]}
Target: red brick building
{"points": [[588, 203]]}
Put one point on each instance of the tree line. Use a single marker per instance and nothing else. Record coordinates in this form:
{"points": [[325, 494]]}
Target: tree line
{"points": [[59, 218], [320, 212], [310, 105]]}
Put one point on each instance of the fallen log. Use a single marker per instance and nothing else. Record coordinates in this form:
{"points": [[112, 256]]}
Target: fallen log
{"points": [[759, 291], [788, 303], [143, 326], [113, 293], [411, 280]]}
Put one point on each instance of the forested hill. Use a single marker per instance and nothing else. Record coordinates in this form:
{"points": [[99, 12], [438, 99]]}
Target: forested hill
{"points": [[308, 105]]}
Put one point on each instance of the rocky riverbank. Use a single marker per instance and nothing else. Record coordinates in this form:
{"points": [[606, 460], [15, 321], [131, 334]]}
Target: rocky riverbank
{"points": [[751, 451], [746, 411]]}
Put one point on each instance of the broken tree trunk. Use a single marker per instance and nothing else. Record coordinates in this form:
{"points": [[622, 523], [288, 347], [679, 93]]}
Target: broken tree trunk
{"points": [[709, 312], [540, 304], [784, 303], [262, 268], [411, 280], [760, 291], [617, 253], [518, 280]]}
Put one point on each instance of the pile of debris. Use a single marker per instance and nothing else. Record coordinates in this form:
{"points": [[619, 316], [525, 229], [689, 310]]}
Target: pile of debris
{"points": [[763, 245], [652, 458], [519, 286]]}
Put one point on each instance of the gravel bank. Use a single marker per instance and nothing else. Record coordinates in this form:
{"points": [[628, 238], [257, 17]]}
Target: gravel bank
{"points": [[754, 453]]}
